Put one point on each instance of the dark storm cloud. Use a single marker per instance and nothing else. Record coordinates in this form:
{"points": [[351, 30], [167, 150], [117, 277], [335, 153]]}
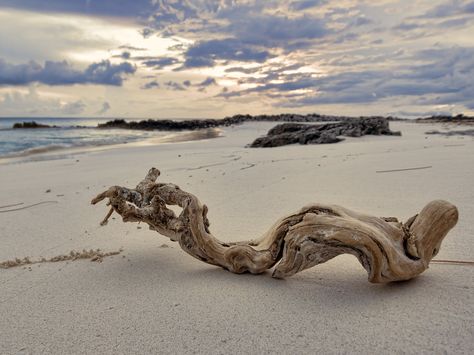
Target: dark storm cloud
{"points": [[197, 62], [204, 53], [160, 62], [450, 8], [250, 33], [407, 26], [207, 82], [361, 21], [306, 4], [62, 73], [271, 30], [123, 8]]}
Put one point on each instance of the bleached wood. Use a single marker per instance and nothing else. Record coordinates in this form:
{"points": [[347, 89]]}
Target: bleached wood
{"points": [[388, 249]]}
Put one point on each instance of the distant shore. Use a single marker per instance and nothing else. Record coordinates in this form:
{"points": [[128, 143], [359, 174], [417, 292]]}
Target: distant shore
{"points": [[42, 135], [192, 124], [170, 125]]}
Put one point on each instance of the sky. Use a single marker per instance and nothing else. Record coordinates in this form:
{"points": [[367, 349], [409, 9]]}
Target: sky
{"points": [[216, 58]]}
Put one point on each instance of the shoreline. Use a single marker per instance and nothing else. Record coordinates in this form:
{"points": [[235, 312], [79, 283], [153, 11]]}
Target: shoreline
{"points": [[203, 129], [52, 151], [166, 124]]}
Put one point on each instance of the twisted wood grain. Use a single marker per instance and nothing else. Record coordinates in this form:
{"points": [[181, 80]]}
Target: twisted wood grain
{"points": [[388, 249]]}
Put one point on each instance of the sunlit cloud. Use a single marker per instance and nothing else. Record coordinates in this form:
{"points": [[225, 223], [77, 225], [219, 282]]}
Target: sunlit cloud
{"points": [[222, 57]]}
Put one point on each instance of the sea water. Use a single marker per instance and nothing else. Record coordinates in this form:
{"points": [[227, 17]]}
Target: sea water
{"points": [[71, 133]]}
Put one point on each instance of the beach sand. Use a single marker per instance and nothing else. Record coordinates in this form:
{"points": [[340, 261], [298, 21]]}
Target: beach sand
{"points": [[151, 298]]}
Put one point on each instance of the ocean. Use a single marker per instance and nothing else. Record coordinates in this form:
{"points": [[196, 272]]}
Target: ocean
{"points": [[72, 133]]}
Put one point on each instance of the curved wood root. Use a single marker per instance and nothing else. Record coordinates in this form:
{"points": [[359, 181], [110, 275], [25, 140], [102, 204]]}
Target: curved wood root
{"points": [[386, 248]]}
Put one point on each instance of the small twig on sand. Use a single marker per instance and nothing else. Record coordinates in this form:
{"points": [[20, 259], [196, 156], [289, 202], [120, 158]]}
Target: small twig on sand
{"points": [[250, 165], [106, 218], [94, 255], [25, 207], [393, 170], [13, 205], [455, 262]]}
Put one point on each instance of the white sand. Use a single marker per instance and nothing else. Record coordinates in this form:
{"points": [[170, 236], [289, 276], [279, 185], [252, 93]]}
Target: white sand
{"points": [[160, 300]]}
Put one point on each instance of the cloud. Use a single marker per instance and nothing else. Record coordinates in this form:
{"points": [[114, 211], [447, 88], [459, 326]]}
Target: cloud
{"points": [[306, 4], [208, 81], [270, 54], [160, 62], [266, 30], [450, 8], [250, 31], [73, 108], [33, 103], [204, 53], [62, 73], [27, 35], [454, 22], [151, 85], [197, 62], [123, 55], [435, 77], [147, 32], [242, 70], [108, 8], [105, 107], [261, 33], [407, 26], [173, 85], [361, 21], [131, 48]]}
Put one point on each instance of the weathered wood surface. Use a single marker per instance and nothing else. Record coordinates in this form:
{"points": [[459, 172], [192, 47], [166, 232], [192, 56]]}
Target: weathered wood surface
{"points": [[388, 249]]}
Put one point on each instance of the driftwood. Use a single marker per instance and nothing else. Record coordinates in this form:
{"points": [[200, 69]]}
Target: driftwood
{"points": [[386, 248]]}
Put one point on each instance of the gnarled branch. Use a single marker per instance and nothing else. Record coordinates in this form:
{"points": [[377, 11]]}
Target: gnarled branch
{"points": [[386, 248]]}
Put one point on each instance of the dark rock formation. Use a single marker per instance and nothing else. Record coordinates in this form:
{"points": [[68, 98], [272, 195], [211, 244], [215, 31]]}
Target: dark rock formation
{"points": [[31, 124], [292, 133], [467, 132], [170, 125], [458, 119]]}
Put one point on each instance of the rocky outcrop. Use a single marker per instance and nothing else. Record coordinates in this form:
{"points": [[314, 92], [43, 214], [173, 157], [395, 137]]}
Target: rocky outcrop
{"points": [[466, 132], [171, 125], [458, 119], [293, 133], [31, 124]]}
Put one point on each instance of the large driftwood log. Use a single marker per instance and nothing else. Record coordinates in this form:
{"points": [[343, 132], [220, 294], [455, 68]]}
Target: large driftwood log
{"points": [[386, 248]]}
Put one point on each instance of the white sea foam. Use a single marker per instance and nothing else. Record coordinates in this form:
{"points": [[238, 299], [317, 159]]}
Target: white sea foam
{"points": [[20, 143]]}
